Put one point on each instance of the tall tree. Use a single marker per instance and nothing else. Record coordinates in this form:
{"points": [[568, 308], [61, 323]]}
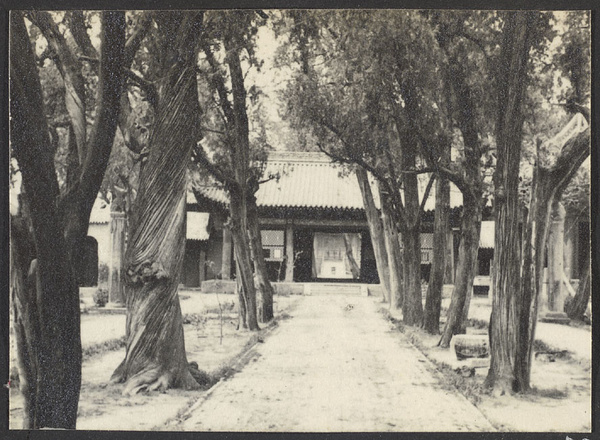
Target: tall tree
{"points": [[363, 102], [510, 88], [515, 307], [375, 229], [45, 289], [229, 154], [468, 53], [155, 356]]}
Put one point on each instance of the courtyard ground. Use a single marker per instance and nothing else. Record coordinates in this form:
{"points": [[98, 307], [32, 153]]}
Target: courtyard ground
{"points": [[331, 363]]}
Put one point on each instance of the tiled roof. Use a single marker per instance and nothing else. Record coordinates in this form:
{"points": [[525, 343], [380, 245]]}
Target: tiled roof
{"points": [[311, 180]]}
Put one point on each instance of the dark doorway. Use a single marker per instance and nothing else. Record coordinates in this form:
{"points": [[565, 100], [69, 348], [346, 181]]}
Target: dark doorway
{"points": [[303, 249], [88, 273]]}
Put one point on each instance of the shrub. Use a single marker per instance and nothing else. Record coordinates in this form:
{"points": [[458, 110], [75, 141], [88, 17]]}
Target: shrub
{"points": [[100, 297], [102, 273]]}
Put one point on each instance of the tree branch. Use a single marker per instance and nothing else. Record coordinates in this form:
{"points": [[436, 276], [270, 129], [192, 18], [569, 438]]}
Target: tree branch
{"points": [[70, 69], [214, 170], [137, 36], [110, 86], [147, 86], [78, 29], [218, 83], [425, 196]]}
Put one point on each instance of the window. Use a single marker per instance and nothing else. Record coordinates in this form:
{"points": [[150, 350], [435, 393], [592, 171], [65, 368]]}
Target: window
{"points": [[272, 241]]}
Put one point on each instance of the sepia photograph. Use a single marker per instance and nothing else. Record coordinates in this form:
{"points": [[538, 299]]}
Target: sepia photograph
{"points": [[300, 221]]}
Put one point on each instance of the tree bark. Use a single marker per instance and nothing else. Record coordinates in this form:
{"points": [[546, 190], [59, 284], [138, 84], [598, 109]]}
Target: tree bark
{"points": [[412, 309], [433, 299], [578, 305], [155, 357], [375, 230], [266, 292], [510, 84], [465, 268], [47, 298], [394, 257], [547, 186], [354, 269], [241, 245]]}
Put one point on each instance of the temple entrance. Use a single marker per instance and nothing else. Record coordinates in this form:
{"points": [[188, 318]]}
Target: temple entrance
{"points": [[336, 255]]}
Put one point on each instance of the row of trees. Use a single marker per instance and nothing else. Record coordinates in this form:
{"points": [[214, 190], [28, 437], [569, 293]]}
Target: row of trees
{"points": [[418, 85], [393, 107], [155, 72]]}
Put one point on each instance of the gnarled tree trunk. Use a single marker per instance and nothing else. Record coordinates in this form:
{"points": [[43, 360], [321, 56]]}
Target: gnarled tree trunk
{"points": [[155, 357]]}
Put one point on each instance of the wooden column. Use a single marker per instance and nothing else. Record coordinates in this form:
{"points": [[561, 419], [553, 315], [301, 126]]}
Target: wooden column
{"points": [[226, 257], [289, 253], [117, 246]]}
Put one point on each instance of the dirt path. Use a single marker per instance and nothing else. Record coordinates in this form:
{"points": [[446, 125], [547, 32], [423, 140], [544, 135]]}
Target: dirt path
{"points": [[335, 366]]}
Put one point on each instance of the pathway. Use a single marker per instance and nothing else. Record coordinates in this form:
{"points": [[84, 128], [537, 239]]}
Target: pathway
{"points": [[336, 365]]}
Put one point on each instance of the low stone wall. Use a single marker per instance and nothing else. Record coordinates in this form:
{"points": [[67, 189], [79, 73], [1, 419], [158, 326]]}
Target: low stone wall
{"points": [[229, 286]]}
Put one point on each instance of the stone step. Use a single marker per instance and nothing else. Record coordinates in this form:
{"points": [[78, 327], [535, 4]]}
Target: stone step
{"points": [[335, 289], [555, 318]]}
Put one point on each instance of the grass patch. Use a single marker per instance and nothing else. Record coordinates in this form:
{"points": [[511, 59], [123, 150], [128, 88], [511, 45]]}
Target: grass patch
{"points": [[103, 347], [550, 393], [478, 324], [195, 319], [471, 388]]}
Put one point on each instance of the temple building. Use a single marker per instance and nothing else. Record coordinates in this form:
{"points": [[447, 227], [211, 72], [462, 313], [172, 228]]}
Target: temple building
{"points": [[313, 226]]}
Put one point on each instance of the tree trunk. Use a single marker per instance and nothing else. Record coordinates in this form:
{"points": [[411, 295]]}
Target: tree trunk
{"points": [[547, 187], [394, 257], [433, 299], [266, 292], [47, 298], [412, 310], [511, 84], [375, 230], [465, 268], [578, 305], [241, 245], [354, 268], [155, 357]]}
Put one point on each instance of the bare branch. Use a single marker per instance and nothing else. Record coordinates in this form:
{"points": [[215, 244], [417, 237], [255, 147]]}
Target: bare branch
{"points": [[110, 86], [137, 36], [425, 196]]}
